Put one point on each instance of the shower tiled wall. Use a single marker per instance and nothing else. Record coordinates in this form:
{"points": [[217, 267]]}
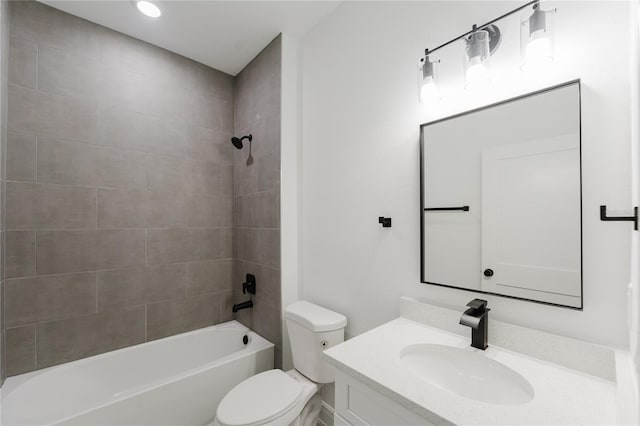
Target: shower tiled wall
{"points": [[119, 191], [4, 68], [257, 192]]}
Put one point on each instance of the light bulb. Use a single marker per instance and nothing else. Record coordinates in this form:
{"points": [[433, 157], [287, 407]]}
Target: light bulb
{"points": [[429, 90], [477, 75], [148, 8], [538, 53]]}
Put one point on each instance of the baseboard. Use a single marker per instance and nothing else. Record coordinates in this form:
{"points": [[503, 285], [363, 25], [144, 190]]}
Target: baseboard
{"points": [[325, 418]]}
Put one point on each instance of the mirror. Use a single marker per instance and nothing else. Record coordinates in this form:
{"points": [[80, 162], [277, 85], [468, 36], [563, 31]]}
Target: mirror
{"points": [[501, 199]]}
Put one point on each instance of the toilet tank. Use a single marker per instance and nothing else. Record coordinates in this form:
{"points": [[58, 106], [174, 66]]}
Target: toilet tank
{"points": [[312, 329]]}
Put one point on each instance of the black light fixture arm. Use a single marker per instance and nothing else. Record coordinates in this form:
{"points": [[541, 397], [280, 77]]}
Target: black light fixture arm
{"points": [[480, 27]]}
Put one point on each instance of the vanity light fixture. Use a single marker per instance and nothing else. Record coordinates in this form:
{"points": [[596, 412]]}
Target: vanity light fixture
{"points": [[428, 78], [477, 51], [483, 40], [536, 38], [148, 8]]}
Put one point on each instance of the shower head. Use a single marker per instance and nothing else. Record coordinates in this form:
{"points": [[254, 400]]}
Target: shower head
{"points": [[237, 142]]}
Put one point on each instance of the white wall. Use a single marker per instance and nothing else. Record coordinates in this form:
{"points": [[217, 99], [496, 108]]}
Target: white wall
{"points": [[290, 175], [361, 154], [634, 299]]}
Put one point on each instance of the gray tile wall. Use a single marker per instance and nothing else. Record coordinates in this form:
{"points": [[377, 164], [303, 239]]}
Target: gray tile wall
{"points": [[4, 70], [257, 193], [119, 191]]}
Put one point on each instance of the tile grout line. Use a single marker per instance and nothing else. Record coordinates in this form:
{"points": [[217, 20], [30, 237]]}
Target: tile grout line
{"points": [[160, 228], [115, 148], [37, 66], [96, 192], [181, 262], [35, 249], [186, 280], [96, 286], [37, 137], [110, 309], [125, 189], [35, 344], [145, 322], [146, 256]]}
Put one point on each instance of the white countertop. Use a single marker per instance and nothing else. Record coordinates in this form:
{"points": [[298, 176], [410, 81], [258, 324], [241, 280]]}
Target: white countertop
{"points": [[562, 396]]}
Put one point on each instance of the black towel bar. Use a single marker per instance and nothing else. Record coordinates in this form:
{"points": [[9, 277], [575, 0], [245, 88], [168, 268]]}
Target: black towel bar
{"points": [[441, 209], [634, 218]]}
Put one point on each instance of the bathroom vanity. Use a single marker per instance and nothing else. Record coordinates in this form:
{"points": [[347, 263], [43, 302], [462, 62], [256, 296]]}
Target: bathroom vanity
{"points": [[420, 369]]}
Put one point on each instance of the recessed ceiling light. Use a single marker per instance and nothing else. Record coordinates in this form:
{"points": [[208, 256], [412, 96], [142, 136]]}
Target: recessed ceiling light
{"points": [[148, 8]]}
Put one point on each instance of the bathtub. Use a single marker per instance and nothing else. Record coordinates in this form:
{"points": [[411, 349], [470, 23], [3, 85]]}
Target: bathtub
{"points": [[179, 380]]}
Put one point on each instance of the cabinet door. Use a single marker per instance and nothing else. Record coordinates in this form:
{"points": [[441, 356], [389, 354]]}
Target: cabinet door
{"points": [[360, 406]]}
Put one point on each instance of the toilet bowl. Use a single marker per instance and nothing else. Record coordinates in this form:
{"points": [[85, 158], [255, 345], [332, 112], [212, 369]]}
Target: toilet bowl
{"points": [[276, 397]]}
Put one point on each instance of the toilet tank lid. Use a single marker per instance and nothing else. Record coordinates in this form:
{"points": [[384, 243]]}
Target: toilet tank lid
{"points": [[314, 317]]}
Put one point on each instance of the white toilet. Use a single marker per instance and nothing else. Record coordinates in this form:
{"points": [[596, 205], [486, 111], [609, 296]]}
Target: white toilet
{"points": [[276, 397]]}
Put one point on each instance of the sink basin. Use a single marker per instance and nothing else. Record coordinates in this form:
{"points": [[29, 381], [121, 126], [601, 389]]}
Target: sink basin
{"points": [[467, 373]]}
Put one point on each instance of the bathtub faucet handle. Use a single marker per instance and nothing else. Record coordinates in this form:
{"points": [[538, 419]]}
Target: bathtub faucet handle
{"points": [[249, 285]]}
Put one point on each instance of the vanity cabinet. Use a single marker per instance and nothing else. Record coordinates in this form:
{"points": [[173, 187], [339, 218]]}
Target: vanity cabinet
{"points": [[408, 373], [359, 405]]}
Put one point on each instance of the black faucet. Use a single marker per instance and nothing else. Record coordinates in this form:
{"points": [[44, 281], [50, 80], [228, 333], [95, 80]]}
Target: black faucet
{"points": [[243, 305], [476, 317], [248, 286]]}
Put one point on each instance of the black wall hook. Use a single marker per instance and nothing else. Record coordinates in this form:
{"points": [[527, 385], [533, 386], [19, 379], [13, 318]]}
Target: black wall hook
{"points": [[634, 218], [385, 221]]}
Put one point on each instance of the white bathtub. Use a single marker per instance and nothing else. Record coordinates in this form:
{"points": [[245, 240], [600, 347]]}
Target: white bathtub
{"points": [[179, 380]]}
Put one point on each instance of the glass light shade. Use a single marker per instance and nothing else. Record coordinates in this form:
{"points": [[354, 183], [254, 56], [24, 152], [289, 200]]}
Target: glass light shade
{"points": [[427, 80], [148, 8], [536, 39], [476, 60], [429, 90], [477, 76]]}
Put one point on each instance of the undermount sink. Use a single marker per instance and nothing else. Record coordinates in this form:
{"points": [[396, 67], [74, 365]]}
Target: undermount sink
{"points": [[467, 373]]}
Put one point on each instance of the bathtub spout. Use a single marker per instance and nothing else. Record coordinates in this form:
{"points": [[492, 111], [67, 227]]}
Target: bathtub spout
{"points": [[243, 305]]}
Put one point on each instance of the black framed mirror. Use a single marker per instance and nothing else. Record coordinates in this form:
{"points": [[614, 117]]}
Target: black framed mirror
{"points": [[501, 198]]}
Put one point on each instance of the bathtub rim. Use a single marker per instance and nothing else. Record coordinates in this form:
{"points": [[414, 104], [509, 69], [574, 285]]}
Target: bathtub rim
{"points": [[257, 343]]}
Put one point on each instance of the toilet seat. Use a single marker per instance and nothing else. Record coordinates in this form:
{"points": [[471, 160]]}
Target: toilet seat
{"points": [[260, 399]]}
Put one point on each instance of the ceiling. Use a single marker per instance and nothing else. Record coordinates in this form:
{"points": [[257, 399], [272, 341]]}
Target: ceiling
{"points": [[225, 35]]}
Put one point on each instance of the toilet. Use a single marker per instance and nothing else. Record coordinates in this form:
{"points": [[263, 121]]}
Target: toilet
{"points": [[276, 397]]}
